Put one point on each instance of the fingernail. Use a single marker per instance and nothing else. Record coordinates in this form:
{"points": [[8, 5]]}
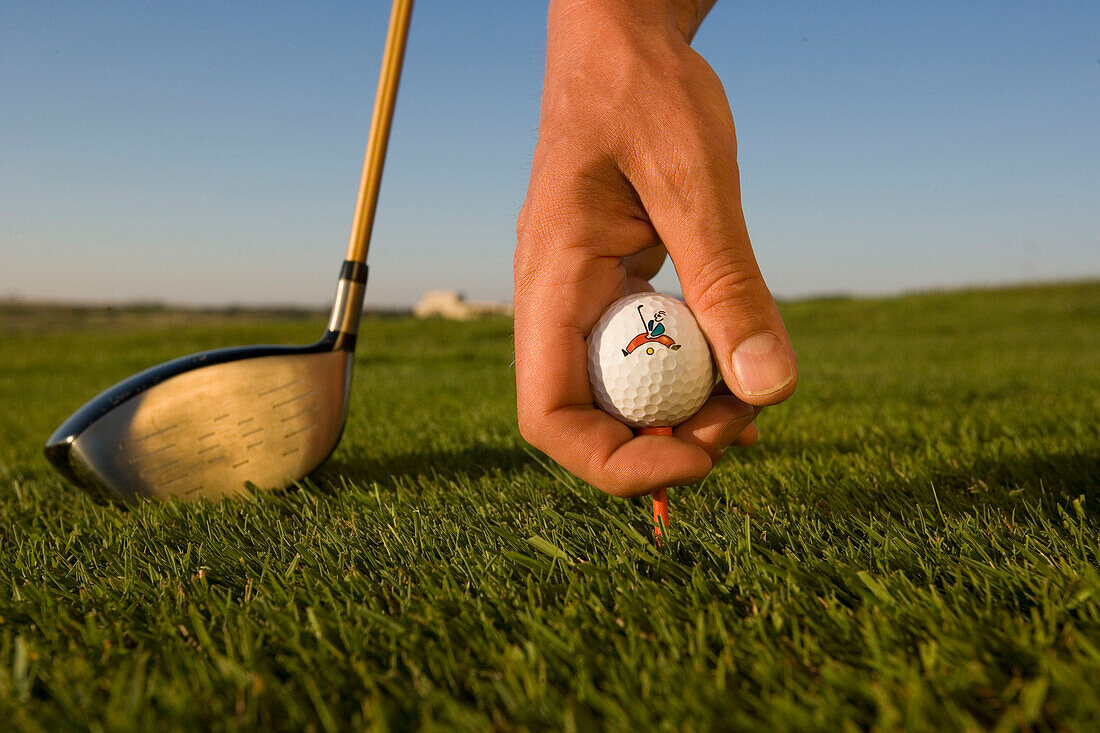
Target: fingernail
{"points": [[761, 365]]}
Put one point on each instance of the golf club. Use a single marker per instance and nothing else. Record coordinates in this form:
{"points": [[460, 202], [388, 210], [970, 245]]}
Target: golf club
{"points": [[215, 423]]}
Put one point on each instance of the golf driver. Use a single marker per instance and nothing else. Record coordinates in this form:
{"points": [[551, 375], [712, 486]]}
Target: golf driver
{"points": [[212, 424]]}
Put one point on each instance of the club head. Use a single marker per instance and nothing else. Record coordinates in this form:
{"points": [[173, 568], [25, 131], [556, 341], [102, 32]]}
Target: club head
{"points": [[210, 424]]}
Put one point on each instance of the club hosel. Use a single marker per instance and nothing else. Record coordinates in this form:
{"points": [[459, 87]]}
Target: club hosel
{"points": [[346, 311]]}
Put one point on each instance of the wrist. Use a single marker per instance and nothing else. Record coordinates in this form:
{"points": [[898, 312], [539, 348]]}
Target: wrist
{"points": [[679, 17], [611, 59], [601, 44]]}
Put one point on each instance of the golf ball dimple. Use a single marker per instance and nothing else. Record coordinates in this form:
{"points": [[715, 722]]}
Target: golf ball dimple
{"points": [[649, 364]]}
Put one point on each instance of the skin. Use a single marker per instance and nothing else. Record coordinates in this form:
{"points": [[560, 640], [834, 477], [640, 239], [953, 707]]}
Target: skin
{"points": [[636, 161]]}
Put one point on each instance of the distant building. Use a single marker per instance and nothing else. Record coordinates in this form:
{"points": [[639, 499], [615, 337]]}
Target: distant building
{"points": [[450, 304]]}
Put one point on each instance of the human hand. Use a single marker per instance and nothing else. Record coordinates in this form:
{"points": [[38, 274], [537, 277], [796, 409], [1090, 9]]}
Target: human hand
{"points": [[636, 156]]}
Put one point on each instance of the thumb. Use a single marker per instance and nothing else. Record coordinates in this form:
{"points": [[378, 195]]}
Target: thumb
{"points": [[703, 228], [725, 289]]}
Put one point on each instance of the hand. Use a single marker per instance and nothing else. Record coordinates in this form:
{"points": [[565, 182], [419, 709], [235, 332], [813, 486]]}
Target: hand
{"points": [[636, 156]]}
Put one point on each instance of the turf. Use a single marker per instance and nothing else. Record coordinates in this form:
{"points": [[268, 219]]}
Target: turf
{"points": [[914, 543]]}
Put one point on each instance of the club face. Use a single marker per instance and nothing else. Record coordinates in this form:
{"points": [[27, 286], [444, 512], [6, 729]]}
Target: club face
{"points": [[209, 425]]}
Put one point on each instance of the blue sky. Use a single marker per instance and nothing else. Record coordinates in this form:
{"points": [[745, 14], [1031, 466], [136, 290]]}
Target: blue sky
{"points": [[209, 152]]}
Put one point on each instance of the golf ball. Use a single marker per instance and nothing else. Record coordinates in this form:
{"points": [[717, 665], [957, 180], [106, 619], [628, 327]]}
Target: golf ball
{"points": [[648, 362]]}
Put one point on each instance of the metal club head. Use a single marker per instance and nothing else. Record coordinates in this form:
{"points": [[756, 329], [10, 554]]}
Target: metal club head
{"points": [[212, 424]]}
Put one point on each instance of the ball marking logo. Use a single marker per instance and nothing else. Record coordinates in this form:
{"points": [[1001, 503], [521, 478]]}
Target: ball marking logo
{"points": [[653, 333]]}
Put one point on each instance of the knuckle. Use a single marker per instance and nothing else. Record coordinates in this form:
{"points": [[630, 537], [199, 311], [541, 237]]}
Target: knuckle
{"points": [[521, 223], [725, 286], [528, 261], [529, 276], [522, 262]]}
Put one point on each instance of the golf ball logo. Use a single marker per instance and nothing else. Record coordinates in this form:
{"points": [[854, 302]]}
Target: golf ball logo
{"points": [[649, 364], [653, 333]]}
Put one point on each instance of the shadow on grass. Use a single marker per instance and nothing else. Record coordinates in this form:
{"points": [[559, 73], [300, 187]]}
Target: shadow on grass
{"points": [[1048, 479], [469, 463], [1028, 477]]}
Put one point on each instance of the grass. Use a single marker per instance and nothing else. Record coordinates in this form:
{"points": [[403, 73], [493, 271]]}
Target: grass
{"points": [[914, 543]]}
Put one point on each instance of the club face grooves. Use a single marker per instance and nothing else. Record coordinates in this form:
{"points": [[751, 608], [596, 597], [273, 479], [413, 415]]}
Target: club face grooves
{"points": [[255, 415], [212, 423]]}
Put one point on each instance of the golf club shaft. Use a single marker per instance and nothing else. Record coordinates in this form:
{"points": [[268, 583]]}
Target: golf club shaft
{"points": [[660, 496], [346, 311], [375, 157]]}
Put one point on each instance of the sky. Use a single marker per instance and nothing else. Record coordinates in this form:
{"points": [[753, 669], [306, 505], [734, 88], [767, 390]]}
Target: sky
{"points": [[208, 153]]}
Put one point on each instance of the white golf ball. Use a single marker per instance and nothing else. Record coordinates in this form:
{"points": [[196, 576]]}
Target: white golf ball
{"points": [[648, 362]]}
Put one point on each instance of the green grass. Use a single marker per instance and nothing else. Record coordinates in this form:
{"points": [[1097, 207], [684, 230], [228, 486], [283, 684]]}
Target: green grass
{"points": [[914, 543]]}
